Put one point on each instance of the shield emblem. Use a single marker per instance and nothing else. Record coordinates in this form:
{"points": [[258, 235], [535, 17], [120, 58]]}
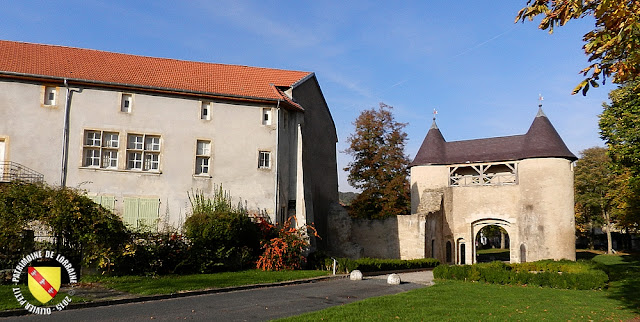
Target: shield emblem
{"points": [[44, 283]]}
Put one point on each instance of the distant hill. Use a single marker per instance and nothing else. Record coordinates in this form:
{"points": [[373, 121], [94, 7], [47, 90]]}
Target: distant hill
{"points": [[347, 197]]}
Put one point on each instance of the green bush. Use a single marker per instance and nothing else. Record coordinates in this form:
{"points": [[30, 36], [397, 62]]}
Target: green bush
{"points": [[547, 273], [86, 233], [222, 236], [154, 254], [346, 265]]}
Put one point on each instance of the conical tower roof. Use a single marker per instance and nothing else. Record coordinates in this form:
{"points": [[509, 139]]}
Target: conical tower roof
{"points": [[432, 150], [541, 141]]}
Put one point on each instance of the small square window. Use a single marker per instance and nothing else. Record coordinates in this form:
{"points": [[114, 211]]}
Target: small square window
{"points": [[205, 111], [126, 103], [266, 116], [264, 159], [135, 142], [152, 143], [135, 161], [93, 138], [50, 94]]}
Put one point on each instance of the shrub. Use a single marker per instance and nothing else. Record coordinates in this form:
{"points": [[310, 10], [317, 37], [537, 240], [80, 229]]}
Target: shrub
{"points": [[83, 231], [286, 250], [154, 254], [547, 273], [377, 264], [222, 236]]}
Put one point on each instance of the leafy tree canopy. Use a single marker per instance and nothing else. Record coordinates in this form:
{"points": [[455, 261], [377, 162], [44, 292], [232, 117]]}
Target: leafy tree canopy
{"points": [[613, 46], [619, 124], [379, 166]]}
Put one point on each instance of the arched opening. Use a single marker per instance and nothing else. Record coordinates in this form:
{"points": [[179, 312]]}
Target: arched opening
{"points": [[448, 252], [463, 253], [492, 244], [523, 253]]}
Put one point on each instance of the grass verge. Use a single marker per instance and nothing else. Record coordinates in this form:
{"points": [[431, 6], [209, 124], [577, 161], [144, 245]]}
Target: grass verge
{"points": [[176, 283], [457, 300], [8, 300]]}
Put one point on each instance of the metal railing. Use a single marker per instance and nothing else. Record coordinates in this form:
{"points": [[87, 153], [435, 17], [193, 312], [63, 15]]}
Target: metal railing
{"points": [[13, 171]]}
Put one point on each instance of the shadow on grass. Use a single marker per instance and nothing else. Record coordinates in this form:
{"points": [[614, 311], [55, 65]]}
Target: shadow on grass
{"points": [[586, 254], [624, 284]]}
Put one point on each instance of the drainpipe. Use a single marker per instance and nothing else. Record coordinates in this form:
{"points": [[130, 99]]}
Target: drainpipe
{"points": [[276, 165], [65, 135]]}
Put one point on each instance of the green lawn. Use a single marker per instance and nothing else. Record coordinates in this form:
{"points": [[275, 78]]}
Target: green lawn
{"points": [[176, 283], [455, 300], [8, 300]]}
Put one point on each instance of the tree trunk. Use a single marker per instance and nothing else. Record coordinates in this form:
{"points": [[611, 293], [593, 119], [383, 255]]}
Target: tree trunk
{"points": [[607, 223], [502, 241]]}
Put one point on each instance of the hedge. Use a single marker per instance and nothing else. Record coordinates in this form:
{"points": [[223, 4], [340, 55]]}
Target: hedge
{"points": [[547, 273], [346, 265]]}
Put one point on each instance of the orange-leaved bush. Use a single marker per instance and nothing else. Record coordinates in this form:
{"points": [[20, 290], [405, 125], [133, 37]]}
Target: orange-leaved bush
{"points": [[286, 250]]}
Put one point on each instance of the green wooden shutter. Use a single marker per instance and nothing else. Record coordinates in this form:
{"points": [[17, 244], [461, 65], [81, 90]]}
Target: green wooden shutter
{"points": [[148, 212], [130, 215], [108, 202]]}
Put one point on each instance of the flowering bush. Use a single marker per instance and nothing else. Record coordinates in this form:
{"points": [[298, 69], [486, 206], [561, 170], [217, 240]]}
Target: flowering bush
{"points": [[286, 250]]}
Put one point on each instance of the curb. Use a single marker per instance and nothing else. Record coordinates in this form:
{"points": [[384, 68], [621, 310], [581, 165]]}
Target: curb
{"points": [[145, 298]]}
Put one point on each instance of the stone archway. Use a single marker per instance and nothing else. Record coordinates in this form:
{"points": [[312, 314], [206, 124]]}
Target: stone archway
{"points": [[478, 225]]}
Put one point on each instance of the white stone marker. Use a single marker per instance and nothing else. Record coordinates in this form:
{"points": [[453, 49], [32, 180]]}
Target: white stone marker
{"points": [[355, 275], [393, 279]]}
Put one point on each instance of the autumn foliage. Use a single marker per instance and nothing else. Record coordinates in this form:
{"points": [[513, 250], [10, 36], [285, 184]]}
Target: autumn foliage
{"points": [[379, 166], [286, 250]]}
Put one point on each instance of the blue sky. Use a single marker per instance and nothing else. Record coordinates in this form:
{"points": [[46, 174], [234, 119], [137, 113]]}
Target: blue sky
{"points": [[467, 59]]}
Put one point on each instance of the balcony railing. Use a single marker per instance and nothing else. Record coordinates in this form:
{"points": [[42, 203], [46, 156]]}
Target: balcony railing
{"points": [[13, 171]]}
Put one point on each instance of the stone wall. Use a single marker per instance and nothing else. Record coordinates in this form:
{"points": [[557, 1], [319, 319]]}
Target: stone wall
{"points": [[400, 237]]}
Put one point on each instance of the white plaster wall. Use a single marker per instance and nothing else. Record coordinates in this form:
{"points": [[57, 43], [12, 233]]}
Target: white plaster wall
{"points": [[32, 131], [236, 132]]}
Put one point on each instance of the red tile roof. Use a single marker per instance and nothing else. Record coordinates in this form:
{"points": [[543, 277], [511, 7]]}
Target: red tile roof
{"points": [[94, 66]]}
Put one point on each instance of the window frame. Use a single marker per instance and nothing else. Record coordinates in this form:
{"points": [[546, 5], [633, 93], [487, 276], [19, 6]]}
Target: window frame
{"points": [[95, 148], [126, 103], [143, 153], [206, 108], [264, 162], [48, 91], [267, 116], [203, 158]]}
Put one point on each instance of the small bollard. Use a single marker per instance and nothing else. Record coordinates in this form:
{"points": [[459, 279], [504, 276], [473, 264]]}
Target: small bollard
{"points": [[393, 279], [355, 275]]}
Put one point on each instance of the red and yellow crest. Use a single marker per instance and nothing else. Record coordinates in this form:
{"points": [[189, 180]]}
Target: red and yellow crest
{"points": [[44, 283]]}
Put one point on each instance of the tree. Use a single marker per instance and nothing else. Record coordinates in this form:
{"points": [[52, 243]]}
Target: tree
{"points": [[379, 166], [612, 46], [592, 186], [619, 124]]}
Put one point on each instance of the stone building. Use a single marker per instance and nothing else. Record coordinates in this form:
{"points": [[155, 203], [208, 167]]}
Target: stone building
{"points": [[522, 184], [138, 133]]}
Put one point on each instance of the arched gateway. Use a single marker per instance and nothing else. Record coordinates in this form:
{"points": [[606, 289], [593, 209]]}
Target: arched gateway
{"points": [[523, 184]]}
